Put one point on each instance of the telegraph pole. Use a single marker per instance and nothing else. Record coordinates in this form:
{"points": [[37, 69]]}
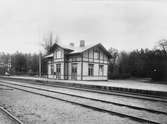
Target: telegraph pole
{"points": [[40, 64]]}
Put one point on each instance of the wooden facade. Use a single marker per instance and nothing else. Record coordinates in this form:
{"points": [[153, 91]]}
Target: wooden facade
{"points": [[89, 63]]}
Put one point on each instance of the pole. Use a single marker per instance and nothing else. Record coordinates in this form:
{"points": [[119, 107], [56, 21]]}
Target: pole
{"points": [[40, 64]]}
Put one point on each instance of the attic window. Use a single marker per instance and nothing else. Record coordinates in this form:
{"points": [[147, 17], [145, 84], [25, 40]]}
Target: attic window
{"points": [[58, 54], [96, 54]]}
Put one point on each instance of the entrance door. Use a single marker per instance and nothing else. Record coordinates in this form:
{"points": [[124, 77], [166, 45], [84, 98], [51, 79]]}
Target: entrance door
{"points": [[58, 71], [74, 71]]}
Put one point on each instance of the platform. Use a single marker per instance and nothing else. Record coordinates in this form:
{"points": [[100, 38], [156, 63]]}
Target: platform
{"points": [[134, 86]]}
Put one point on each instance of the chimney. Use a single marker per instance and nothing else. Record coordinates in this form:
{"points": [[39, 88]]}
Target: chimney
{"points": [[72, 44], [82, 43]]}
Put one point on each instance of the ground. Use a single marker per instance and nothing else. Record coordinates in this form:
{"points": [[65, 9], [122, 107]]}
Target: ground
{"points": [[35, 109]]}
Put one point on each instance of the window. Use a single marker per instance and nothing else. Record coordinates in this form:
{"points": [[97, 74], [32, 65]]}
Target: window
{"points": [[101, 70], [58, 68], [90, 54], [74, 71], [96, 54], [90, 69], [74, 68], [58, 71], [58, 54], [52, 69]]}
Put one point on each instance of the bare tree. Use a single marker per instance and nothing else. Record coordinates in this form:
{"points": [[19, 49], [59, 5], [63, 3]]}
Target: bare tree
{"points": [[114, 53], [57, 39], [113, 67], [47, 43], [163, 45]]}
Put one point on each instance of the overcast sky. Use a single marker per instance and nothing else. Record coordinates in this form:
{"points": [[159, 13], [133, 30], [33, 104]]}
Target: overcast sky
{"points": [[122, 24]]}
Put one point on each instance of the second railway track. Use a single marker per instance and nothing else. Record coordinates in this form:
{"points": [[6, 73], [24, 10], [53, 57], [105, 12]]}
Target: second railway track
{"points": [[10, 116]]}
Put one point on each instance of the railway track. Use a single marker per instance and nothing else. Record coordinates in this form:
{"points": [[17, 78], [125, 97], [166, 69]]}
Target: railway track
{"points": [[98, 99], [112, 92], [12, 117], [96, 104]]}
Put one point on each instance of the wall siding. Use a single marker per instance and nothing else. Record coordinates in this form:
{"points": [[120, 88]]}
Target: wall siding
{"points": [[96, 74]]}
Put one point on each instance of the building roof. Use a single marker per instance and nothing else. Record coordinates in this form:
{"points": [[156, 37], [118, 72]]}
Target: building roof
{"points": [[81, 49], [61, 46], [76, 50]]}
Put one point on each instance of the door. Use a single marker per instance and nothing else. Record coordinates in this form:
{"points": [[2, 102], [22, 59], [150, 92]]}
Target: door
{"points": [[74, 71], [58, 71]]}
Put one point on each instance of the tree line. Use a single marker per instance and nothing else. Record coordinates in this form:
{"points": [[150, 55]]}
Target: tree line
{"points": [[27, 64], [140, 63], [21, 64]]}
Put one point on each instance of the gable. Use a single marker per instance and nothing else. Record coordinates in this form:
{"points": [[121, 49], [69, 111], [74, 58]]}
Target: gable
{"points": [[97, 51], [58, 53]]}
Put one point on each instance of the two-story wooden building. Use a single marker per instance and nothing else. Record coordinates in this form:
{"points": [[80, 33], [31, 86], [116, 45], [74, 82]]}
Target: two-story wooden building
{"points": [[78, 63]]}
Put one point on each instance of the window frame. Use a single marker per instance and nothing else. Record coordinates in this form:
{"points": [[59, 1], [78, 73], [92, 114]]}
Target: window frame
{"points": [[52, 69], [58, 68], [90, 69], [101, 70], [96, 53], [58, 54]]}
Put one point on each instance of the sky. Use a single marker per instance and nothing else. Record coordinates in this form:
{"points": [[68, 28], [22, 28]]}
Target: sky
{"points": [[121, 24]]}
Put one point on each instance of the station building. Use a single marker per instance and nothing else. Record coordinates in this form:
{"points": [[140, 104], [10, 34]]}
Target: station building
{"points": [[78, 63]]}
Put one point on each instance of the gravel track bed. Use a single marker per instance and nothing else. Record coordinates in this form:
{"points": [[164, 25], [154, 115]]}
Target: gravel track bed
{"points": [[36, 109]]}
